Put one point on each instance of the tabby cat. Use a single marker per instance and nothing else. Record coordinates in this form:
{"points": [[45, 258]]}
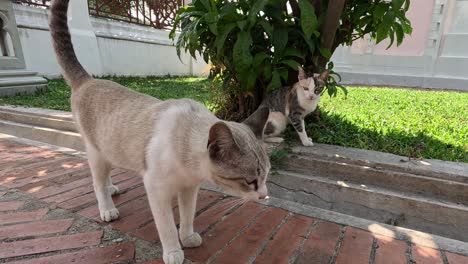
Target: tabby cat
{"points": [[292, 105], [175, 145]]}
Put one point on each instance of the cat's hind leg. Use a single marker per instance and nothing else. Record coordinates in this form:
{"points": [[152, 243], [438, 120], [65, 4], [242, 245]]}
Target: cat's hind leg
{"points": [[274, 139], [273, 129], [103, 187]]}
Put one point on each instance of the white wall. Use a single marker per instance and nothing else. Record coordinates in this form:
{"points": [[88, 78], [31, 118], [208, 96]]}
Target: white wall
{"points": [[104, 47], [435, 56]]}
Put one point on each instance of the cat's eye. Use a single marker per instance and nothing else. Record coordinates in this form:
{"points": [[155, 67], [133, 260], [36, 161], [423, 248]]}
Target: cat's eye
{"points": [[254, 183], [305, 88]]}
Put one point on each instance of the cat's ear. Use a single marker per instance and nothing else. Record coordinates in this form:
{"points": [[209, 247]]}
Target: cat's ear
{"points": [[324, 76], [221, 143], [301, 74], [256, 121]]}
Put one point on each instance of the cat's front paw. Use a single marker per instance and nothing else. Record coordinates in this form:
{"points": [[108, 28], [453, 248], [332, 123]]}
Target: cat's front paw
{"points": [[174, 257], [109, 215], [308, 143], [191, 241]]}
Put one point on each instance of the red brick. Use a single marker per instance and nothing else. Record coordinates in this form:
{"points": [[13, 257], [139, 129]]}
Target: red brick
{"points": [[28, 156], [9, 163], [390, 250], [49, 244], [58, 189], [320, 245], [286, 241], [39, 169], [456, 258], [47, 175], [247, 244], [74, 193], [148, 232], [424, 255], [90, 197], [111, 254], [222, 233], [8, 206], [206, 198], [125, 210], [86, 198], [21, 217], [75, 190], [129, 195], [8, 174], [213, 214], [133, 221], [356, 246], [158, 261], [35, 228], [134, 181]]}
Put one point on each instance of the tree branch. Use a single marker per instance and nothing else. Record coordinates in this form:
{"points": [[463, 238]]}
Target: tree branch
{"points": [[295, 8]]}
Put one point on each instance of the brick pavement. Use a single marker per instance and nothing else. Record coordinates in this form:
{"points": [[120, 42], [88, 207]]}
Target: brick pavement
{"points": [[48, 214]]}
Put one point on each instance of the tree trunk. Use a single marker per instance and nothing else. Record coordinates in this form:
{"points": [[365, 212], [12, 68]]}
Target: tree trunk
{"points": [[329, 28]]}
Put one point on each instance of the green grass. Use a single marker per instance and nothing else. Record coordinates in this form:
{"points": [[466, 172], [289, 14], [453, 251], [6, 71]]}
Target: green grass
{"points": [[412, 123], [58, 95]]}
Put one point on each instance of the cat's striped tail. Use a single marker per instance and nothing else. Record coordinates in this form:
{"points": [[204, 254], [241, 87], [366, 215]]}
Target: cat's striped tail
{"points": [[73, 71]]}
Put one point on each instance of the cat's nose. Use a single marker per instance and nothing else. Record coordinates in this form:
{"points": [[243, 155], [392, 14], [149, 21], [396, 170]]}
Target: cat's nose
{"points": [[262, 192]]}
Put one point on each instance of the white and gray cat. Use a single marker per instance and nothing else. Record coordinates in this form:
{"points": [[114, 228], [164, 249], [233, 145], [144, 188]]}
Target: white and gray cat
{"points": [[174, 144], [292, 105]]}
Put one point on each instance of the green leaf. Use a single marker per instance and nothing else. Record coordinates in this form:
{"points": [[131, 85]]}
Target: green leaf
{"points": [[256, 7], [280, 38], [211, 19], [391, 34], [221, 38], [292, 52], [311, 45], [383, 30], [309, 22], [259, 58], [379, 11], [343, 89], [399, 34], [251, 80], [294, 65], [325, 53], [407, 5], [331, 89], [396, 4], [267, 72], [241, 51], [241, 24], [275, 82], [267, 27], [206, 4], [382, 34], [283, 72]]}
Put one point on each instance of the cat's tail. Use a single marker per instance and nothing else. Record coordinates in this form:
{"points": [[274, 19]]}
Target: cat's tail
{"points": [[73, 71]]}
